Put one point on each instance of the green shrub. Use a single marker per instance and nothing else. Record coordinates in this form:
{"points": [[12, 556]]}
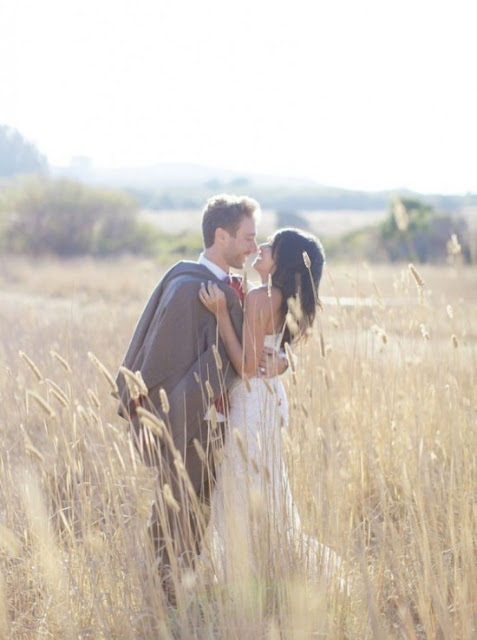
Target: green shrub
{"points": [[67, 218]]}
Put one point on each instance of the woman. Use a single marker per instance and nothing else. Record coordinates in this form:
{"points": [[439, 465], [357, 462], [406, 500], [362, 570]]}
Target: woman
{"points": [[252, 509], [290, 267]]}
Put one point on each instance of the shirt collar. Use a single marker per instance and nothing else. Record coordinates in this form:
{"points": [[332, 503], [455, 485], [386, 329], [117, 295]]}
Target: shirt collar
{"points": [[211, 266]]}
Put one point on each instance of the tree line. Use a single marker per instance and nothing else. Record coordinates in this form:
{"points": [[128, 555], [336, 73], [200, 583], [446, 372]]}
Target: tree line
{"points": [[275, 197], [59, 216], [41, 215], [412, 231]]}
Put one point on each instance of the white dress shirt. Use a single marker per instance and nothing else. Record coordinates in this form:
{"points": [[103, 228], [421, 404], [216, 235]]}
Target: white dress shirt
{"points": [[211, 266]]}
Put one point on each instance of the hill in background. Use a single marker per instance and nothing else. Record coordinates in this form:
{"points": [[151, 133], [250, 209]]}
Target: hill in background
{"points": [[182, 186]]}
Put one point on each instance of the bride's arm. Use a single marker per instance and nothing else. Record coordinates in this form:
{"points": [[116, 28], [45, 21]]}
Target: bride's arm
{"points": [[245, 360]]}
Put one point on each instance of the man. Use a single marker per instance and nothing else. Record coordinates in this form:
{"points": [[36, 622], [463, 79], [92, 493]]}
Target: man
{"points": [[176, 348]]}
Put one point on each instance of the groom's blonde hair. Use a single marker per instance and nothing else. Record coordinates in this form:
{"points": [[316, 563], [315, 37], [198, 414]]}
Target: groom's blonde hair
{"points": [[226, 212]]}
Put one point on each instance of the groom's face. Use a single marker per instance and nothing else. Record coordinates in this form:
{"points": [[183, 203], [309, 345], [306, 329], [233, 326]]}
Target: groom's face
{"points": [[237, 248]]}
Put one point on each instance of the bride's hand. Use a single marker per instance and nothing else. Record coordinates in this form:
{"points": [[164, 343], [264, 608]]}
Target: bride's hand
{"points": [[272, 363], [213, 298]]}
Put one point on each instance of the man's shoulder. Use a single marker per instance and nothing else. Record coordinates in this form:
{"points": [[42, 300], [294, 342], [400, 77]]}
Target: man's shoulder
{"points": [[186, 268], [184, 279], [180, 273], [185, 272]]}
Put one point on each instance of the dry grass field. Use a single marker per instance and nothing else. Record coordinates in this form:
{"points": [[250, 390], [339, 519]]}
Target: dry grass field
{"points": [[382, 454]]}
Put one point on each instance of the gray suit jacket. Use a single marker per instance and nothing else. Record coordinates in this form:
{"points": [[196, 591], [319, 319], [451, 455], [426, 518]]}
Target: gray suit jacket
{"points": [[172, 348]]}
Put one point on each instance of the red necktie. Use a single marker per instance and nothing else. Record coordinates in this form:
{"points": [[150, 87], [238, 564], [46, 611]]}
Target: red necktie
{"points": [[236, 282]]}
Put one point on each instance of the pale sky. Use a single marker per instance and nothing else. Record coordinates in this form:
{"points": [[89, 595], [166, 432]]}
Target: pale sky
{"points": [[366, 94]]}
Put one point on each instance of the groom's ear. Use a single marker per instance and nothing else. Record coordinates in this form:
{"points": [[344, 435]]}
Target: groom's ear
{"points": [[220, 236]]}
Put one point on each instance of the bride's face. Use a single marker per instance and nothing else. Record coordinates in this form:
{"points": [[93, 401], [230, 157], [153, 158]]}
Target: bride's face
{"points": [[264, 263]]}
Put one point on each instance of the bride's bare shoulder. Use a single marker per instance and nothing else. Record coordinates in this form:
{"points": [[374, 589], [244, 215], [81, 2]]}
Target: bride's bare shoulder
{"points": [[262, 296]]}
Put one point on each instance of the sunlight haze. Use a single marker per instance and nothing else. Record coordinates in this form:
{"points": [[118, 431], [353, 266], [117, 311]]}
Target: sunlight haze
{"points": [[368, 95]]}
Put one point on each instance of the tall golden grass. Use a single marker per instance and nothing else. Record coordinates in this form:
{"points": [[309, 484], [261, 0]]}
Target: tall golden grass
{"points": [[381, 452]]}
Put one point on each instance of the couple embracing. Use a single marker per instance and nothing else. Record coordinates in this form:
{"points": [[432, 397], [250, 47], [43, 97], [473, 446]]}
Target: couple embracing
{"points": [[210, 356]]}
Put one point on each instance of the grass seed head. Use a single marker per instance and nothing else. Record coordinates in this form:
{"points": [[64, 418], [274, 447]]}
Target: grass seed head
{"points": [[292, 324], [103, 370], [61, 360], [322, 346], [417, 277], [30, 448], [454, 247], [424, 332], [294, 307], [32, 366], [84, 414], [41, 402], [189, 580], [154, 424], [59, 397], [169, 498], [135, 383], [164, 401], [241, 444], [94, 399], [58, 393], [401, 217], [200, 450], [217, 358]]}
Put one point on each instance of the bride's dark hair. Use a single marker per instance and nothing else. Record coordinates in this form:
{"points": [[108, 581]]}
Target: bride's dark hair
{"points": [[299, 259]]}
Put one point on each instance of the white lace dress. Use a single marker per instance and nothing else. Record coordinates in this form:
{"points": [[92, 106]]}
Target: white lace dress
{"points": [[254, 526]]}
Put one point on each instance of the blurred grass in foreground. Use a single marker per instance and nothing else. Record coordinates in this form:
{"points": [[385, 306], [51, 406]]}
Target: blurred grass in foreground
{"points": [[381, 453]]}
